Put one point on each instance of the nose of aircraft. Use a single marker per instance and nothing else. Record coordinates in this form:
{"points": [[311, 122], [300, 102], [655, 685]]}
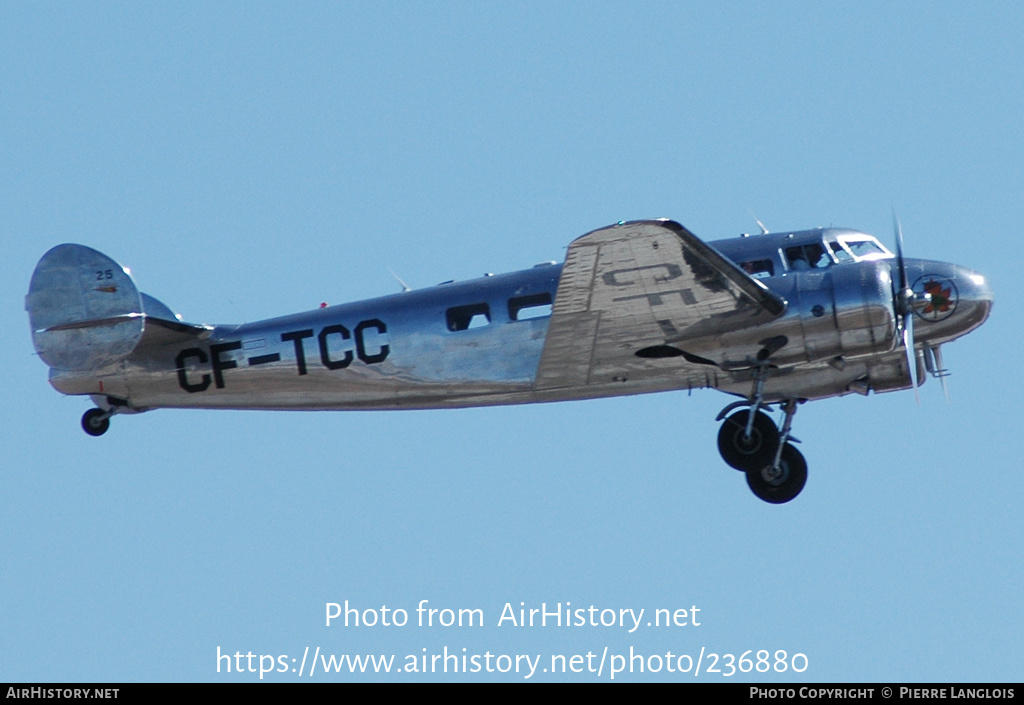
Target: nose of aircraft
{"points": [[951, 301]]}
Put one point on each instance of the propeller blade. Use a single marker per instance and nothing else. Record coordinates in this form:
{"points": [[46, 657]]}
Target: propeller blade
{"points": [[908, 344], [904, 304], [899, 251]]}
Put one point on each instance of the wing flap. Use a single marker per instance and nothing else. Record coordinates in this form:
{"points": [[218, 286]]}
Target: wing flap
{"points": [[572, 343]]}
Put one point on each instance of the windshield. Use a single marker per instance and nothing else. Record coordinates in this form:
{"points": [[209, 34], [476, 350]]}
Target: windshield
{"points": [[861, 248]]}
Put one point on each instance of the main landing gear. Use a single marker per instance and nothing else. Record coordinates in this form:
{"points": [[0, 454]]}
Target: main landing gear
{"points": [[749, 441]]}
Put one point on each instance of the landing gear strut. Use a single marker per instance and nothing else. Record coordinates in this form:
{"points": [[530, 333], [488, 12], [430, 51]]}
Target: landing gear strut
{"points": [[749, 441]]}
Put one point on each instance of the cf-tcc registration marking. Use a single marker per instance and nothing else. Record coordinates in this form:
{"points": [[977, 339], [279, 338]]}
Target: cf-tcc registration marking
{"points": [[330, 360]]}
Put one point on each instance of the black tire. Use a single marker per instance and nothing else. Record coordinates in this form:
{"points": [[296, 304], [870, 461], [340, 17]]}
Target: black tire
{"points": [[95, 422], [748, 454], [787, 485]]}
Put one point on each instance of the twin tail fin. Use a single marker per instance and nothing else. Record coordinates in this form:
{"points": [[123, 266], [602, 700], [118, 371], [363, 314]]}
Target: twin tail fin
{"points": [[86, 311]]}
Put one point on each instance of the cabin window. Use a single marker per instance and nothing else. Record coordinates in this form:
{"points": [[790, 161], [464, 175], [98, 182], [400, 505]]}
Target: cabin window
{"points": [[522, 308], [466, 317], [759, 269]]}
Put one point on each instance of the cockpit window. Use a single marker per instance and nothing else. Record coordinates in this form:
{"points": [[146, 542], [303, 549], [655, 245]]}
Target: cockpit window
{"points": [[804, 257], [864, 248], [840, 253]]}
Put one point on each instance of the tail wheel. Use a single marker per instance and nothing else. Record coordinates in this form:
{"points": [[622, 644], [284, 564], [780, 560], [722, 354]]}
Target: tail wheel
{"points": [[95, 422], [748, 453], [781, 485]]}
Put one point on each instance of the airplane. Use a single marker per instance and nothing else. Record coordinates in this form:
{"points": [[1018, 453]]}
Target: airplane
{"points": [[774, 319]]}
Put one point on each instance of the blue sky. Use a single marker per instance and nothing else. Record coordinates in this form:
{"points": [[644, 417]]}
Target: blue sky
{"points": [[247, 160]]}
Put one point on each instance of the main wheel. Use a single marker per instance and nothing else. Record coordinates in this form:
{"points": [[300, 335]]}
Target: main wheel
{"points": [[95, 422], [780, 487], [748, 453]]}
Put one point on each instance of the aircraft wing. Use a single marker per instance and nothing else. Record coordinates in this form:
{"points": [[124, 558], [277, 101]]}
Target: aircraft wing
{"points": [[645, 286]]}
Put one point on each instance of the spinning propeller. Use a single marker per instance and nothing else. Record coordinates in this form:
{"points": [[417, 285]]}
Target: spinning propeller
{"points": [[905, 301]]}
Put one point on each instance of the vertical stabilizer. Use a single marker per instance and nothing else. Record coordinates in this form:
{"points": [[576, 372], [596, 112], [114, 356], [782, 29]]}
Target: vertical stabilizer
{"points": [[84, 309]]}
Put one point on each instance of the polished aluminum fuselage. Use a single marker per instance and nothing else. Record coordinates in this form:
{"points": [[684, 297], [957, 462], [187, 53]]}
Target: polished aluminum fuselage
{"points": [[408, 350]]}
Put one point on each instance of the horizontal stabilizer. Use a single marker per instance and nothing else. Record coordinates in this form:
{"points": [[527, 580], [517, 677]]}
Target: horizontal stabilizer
{"points": [[164, 326]]}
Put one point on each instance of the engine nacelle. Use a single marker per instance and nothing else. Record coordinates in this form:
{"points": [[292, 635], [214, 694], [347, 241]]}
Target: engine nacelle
{"points": [[837, 312], [846, 311]]}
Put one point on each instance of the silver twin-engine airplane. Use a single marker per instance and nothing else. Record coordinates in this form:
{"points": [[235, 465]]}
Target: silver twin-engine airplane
{"points": [[637, 307]]}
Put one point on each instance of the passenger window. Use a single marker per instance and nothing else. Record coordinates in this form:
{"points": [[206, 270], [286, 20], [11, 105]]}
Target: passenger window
{"points": [[523, 308], [466, 317], [759, 269]]}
